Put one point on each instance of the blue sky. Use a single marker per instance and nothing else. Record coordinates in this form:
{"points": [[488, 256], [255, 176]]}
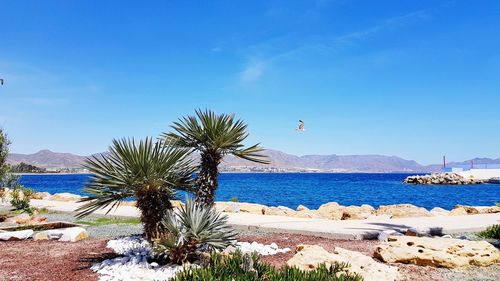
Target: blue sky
{"points": [[416, 79]]}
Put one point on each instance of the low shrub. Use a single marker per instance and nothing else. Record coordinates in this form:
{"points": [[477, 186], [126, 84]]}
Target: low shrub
{"points": [[21, 202], [234, 199], [192, 230], [237, 267], [492, 232]]}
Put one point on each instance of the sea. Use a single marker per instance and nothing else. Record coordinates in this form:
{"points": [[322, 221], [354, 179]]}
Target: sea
{"points": [[312, 189]]}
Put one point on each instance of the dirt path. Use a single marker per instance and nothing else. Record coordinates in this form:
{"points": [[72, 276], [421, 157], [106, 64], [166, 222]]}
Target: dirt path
{"points": [[50, 260]]}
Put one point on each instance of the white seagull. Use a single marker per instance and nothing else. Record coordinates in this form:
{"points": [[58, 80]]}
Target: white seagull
{"points": [[301, 126]]}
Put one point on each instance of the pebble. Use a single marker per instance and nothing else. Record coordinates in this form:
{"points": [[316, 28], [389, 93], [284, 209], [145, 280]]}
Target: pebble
{"points": [[133, 264]]}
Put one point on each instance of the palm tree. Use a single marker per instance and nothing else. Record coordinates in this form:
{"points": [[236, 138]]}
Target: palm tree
{"points": [[149, 171], [213, 136]]}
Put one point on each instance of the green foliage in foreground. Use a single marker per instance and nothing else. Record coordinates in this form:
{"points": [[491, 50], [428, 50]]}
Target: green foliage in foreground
{"points": [[232, 269], [193, 229], [107, 221], [491, 232], [21, 199]]}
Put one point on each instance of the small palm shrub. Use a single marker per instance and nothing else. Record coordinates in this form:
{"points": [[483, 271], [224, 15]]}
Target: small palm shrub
{"points": [[492, 232], [192, 230], [224, 268]]}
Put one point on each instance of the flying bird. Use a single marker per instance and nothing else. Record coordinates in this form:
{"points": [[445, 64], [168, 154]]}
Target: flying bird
{"points": [[301, 126], [1, 81]]}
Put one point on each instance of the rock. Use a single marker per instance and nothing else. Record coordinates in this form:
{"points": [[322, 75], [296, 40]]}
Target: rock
{"points": [[250, 208], [488, 210], [447, 236], [22, 219], [40, 236], [66, 197], [438, 252], [302, 208], [357, 213], [70, 234], [308, 257], [460, 210], [229, 249], [331, 211], [310, 214], [278, 211], [40, 195], [16, 235], [415, 232], [403, 211], [384, 235], [436, 211]]}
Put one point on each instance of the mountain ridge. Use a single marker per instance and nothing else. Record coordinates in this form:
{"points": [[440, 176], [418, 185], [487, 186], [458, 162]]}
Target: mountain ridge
{"points": [[280, 161]]}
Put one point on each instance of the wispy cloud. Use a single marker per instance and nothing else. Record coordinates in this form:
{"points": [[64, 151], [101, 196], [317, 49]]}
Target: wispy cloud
{"points": [[388, 23], [253, 71]]}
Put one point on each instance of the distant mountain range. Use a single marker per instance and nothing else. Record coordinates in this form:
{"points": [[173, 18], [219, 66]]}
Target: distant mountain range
{"points": [[280, 162]]}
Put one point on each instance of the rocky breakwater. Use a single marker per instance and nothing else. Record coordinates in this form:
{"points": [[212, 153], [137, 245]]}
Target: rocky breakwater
{"points": [[443, 178]]}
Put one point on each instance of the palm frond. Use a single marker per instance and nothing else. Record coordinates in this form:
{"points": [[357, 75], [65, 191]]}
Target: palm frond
{"points": [[208, 131], [130, 167]]}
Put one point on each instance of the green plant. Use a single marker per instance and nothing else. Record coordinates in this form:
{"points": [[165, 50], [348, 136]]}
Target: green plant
{"points": [[20, 201], [236, 267], [4, 152], [107, 221], [492, 232], [498, 204], [234, 199], [150, 171], [213, 136], [193, 229]]}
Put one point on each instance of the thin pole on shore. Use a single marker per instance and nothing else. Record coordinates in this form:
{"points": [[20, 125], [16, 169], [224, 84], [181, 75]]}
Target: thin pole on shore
{"points": [[444, 161]]}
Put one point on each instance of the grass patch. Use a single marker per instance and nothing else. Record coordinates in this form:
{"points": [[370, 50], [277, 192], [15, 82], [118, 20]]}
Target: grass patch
{"points": [[241, 268], [107, 221], [492, 232]]}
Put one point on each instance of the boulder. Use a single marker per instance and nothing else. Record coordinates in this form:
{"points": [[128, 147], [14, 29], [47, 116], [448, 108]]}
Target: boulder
{"points": [[436, 211], [308, 257], [22, 219], [237, 207], [40, 195], [42, 235], [302, 208], [70, 234], [66, 197], [437, 252], [331, 211], [357, 213], [403, 211], [278, 211], [16, 235], [488, 210], [460, 210], [310, 214]]}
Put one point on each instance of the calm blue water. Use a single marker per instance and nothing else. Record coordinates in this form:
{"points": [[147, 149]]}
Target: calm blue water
{"points": [[313, 190]]}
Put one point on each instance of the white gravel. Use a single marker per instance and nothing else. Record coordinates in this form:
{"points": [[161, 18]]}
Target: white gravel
{"points": [[261, 249], [134, 265]]}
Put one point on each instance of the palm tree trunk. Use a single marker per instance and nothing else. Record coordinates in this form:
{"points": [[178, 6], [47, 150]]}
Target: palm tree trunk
{"points": [[153, 203], [206, 180]]}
